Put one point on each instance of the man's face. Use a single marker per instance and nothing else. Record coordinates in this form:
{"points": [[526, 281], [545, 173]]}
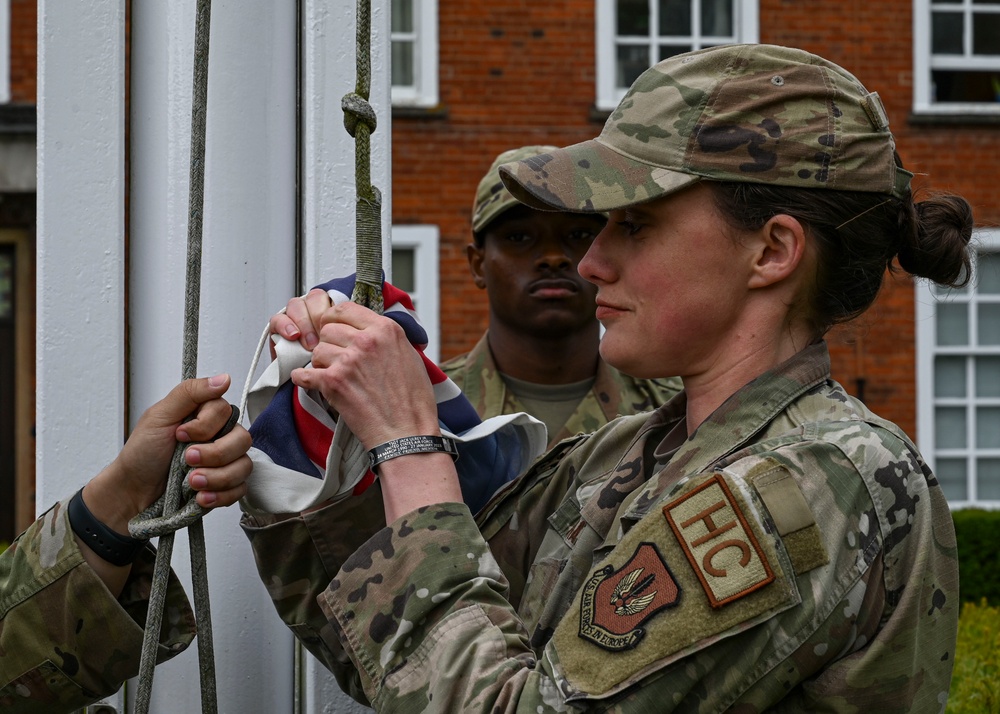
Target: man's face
{"points": [[528, 266]]}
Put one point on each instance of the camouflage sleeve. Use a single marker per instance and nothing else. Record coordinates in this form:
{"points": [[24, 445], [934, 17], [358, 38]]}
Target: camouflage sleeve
{"points": [[298, 554], [56, 615], [422, 609]]}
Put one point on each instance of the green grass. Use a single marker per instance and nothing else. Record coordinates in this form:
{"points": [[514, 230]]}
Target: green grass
{"points": [[975, 684]]}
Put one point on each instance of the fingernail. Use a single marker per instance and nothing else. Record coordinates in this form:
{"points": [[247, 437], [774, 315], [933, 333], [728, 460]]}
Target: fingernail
{"points": [[207, 498], [198, 481], [218, 380], [291, 333], [194, 455], [311, 341], [182, 435]]}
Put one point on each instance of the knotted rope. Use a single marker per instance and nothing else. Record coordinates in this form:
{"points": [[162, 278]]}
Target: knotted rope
{"points": [[360, 122], [166, 516]]}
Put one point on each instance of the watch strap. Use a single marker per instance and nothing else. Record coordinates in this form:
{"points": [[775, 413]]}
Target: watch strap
{"points": [[113, 547]]}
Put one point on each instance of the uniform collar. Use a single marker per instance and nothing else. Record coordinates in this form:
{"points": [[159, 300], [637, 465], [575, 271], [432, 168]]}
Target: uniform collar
{"points": [[736, 422]]}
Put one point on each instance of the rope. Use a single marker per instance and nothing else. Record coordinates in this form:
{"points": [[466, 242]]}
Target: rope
{"points": [[166, 515], [360, 122]]}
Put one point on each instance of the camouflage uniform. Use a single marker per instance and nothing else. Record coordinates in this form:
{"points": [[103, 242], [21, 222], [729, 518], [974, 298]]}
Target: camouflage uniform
{"points": [[612, 395], [794, 553], [64, 641]]}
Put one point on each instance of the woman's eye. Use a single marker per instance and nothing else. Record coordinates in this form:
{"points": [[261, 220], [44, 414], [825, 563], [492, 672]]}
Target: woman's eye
{"points": [[629, 227]]}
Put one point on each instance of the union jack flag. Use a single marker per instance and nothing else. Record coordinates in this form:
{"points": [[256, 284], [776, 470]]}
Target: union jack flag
{"points": [[295, 431]]}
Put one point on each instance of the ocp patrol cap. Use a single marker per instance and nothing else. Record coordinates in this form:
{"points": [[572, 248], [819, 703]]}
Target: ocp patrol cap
{"points": [[747, 113], [492, 198]]}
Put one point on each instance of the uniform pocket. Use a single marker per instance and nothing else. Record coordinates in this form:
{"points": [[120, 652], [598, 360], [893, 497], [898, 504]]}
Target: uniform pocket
{"points": [[44, 689]]}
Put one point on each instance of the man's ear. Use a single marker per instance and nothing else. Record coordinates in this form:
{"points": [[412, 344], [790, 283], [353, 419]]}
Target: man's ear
{"points": [[780, 249], [475, 254]]}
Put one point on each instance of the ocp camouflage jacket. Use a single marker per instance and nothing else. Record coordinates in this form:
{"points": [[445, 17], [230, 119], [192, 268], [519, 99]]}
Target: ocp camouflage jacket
{"points": [[64, 640], [794, 554]]}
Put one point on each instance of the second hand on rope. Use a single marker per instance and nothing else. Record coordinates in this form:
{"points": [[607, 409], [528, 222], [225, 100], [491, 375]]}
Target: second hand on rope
{"points": [[167, 516]]}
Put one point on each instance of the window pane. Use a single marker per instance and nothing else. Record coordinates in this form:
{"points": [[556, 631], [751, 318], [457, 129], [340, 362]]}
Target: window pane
{"points": [[949, 377], [946, 33], [963, 86], [675, 17], [988, 274], [633, 60], [989, 324], [404, 270], [949, 428], [987, 377], [633, 19], [717, 18], [988, 479], [402, 15], [952, 324], [988, 428], [951, 475], [985, 33], [671, 50], [402, 64]]}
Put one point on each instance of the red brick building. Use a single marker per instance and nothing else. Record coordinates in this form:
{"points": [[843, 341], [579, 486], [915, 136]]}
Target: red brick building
{"points": [[524, 72]]}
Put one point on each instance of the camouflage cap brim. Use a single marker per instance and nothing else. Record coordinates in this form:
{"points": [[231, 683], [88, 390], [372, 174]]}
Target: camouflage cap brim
{"points": [[492, 199], [589, 177]]}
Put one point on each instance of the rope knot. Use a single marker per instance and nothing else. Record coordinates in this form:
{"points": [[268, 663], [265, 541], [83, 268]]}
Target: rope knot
{"points": [[357, 110], [154, 522]]}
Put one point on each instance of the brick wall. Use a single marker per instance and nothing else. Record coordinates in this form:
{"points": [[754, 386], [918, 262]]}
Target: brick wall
{"points": [[516, 73], [23, 50], [524, 73]]}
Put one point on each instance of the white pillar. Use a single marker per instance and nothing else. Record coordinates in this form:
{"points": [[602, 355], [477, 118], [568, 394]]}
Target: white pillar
{"points": [[247, 273], [249, 259]]}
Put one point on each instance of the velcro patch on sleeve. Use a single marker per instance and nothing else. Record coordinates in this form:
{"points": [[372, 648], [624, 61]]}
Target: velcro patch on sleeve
{"points": [[616, 603], [642, 607], [720, 545], [793, 519]]}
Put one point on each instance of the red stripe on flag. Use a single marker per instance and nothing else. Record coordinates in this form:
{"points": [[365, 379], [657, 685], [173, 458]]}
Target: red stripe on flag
{"points": [[364, 483], [392, 295], [315, 436]]}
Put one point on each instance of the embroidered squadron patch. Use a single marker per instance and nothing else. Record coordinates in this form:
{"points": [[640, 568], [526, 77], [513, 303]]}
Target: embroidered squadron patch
{"points": [[616, 603], [718, 541]]}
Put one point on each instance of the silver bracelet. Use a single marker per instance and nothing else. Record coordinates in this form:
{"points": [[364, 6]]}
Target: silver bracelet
{"points": [[412, 445]]}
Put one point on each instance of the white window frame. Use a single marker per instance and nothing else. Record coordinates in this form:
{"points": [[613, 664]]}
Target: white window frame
{"points": [[5, 50], [426, 295], [747, 30], [984, 241], [424, 92], [924, 63]]}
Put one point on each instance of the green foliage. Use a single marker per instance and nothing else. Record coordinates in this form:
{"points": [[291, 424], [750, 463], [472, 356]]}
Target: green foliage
{"points": [[978, 532], [975, 684]]}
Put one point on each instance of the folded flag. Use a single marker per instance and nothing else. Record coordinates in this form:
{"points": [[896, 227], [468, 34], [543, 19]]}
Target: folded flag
{"points": [[294, 434]]}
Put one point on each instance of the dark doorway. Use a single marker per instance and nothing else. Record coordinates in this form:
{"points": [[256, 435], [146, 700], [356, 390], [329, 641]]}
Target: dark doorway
{"points": [[8, 371]]}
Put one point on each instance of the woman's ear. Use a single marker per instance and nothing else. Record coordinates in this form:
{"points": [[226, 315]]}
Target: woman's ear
{"points": [[781, 247], [475, 255]]}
